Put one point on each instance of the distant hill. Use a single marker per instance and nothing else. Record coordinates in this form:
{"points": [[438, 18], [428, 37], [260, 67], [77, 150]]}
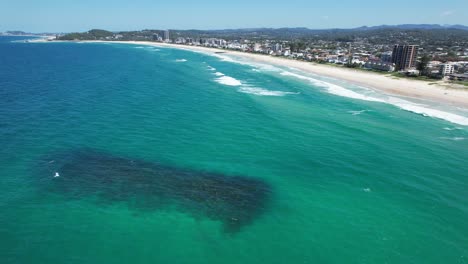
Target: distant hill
{"points": [[16, 32], [22, 33], [269, 32], [414, 26], [304, 30], [384, 34], [377, 34]]}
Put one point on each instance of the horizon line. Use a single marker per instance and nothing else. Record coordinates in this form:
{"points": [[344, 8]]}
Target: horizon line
{"points": [[253, 28]]}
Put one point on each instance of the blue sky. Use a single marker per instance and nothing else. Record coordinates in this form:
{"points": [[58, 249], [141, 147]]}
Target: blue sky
{"points": [[82, 15]]}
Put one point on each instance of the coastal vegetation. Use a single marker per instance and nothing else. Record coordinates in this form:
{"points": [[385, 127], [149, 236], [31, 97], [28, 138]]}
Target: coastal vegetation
{"points": [[94, 34]]}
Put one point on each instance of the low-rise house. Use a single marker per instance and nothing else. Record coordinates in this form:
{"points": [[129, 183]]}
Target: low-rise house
{"points": [[380, 66]]}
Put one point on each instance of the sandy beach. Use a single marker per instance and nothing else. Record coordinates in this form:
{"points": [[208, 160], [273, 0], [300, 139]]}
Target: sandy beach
{"points": [[439, 92]]}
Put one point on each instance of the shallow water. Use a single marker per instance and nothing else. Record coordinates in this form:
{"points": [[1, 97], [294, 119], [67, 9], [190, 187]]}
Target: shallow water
{"points": [[85, 173]]}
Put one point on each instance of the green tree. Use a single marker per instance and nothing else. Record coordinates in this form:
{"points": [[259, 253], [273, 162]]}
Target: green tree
{"points": [[293, 46], [297, 46], [422, 65]]}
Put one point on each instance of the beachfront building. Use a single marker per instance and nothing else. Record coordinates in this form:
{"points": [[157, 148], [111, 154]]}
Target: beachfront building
{"points": [[386, 57], [166, 36], [277, 47], [180, 41], [404, 56], [446, 69], [257, 47]]}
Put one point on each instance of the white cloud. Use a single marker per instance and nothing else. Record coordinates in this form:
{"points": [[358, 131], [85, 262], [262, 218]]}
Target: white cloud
{"points": [[447, 13]]}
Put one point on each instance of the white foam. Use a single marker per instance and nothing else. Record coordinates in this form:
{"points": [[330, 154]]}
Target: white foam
{"points": [[427, 111], [181, 60], [333, 88], [421, 109], [211, 68], [233, 59], [341, 91], [262, 92], [266, 67], [245, 88], [227, 80], [223, 57], [452, 128], [357, 112], [454, 138]]}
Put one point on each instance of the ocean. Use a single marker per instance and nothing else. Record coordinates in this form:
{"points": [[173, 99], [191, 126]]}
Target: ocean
{"points": [[119, 153]]}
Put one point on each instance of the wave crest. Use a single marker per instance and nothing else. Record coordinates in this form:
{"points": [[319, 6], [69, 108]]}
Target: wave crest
{"points": [[228, 80], [248, 89], [420, 109], [262, 92]]}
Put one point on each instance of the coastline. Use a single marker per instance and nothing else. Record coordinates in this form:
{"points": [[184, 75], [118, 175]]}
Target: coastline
{"points": [[386, 83]]}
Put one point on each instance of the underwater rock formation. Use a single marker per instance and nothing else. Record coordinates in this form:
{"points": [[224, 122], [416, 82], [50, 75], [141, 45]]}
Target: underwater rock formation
{"points": [[234, 200]]}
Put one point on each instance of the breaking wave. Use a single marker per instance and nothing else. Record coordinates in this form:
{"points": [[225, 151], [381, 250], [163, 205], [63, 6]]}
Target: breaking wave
{"points": [[416, 108], [427, 111], [262, 92], [454, 138], [452, 128], [357, 112], [227, 80], [257, 66], [248, 89], [331, 88]]}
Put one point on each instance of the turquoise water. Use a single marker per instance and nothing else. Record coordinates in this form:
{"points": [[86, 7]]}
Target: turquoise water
{"points": [[348, 181]]}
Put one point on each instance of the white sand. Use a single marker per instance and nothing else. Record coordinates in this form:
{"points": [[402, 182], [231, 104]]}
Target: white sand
{"points": [[442, 93]]}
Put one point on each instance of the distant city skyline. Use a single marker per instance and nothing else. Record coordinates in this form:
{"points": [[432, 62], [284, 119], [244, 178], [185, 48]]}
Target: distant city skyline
{"points": [[77, 16]]}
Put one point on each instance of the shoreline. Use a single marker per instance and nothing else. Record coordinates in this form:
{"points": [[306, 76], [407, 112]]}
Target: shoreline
{"points": [[386, 83]]}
